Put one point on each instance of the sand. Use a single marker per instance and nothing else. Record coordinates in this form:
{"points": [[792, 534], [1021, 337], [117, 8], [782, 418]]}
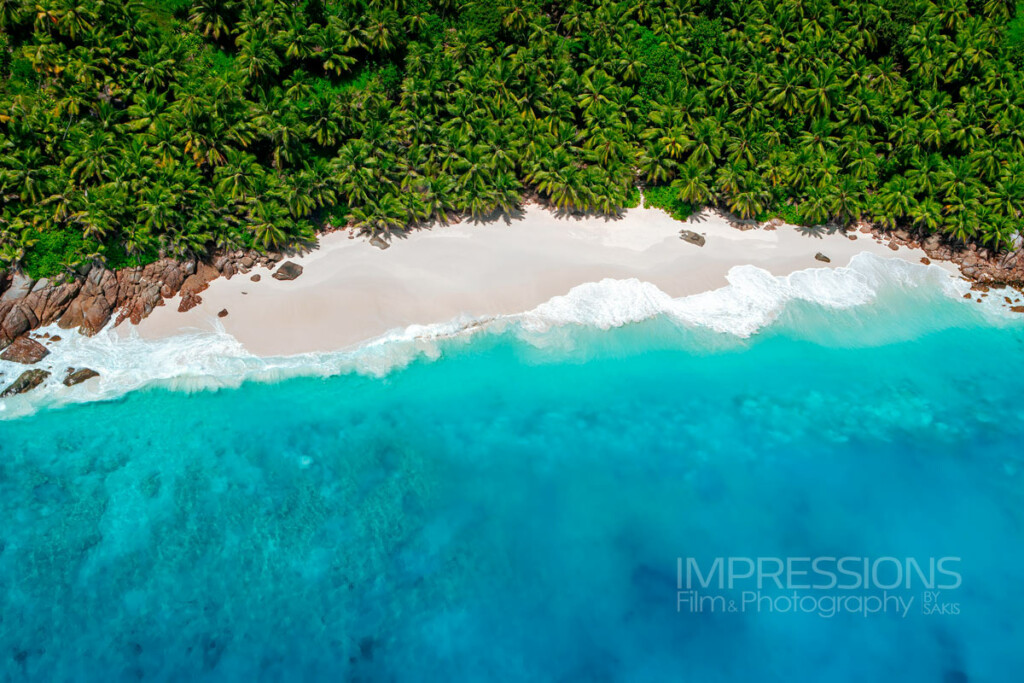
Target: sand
{"points": [[351, 291]]}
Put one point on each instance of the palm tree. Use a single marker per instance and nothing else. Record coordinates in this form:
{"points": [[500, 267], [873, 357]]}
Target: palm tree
{"points": [[237, 177], [254, 120], [211, 17], [897, 200], [693, 185]]}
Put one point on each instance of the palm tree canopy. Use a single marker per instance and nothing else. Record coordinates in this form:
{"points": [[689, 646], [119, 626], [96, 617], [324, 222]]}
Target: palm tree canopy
{"points": [[134, 129]]}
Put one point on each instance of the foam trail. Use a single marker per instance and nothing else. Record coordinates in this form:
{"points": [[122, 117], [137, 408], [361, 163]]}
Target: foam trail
{"points": [[209, 360]]}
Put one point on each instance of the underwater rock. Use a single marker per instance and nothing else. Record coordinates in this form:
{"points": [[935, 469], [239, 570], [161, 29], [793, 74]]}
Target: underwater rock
{"points": [[78, 376], [27, 381]]}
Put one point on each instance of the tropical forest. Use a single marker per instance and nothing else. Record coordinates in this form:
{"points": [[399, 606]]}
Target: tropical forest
{"points": [[132, 130]]}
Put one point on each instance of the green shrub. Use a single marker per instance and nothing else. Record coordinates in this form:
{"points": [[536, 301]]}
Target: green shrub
{"points": [[790, 213], [116, 257], [667, 199], [1013, 40], [661, 67], [390, 80], [484, 17], [56, 251], [632, 197]]}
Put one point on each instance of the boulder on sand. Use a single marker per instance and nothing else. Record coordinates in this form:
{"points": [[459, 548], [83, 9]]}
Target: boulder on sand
{"points": [[692, 237], [288, 271], [27, 381], [25, 350], [379, 242], [821, 257]]}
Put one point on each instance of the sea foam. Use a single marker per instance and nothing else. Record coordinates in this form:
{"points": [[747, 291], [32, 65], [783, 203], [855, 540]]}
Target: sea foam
{"points": [[752, 300]]}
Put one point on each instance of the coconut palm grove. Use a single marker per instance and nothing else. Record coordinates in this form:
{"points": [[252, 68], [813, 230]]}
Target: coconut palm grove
{"points": [[137, 129]]}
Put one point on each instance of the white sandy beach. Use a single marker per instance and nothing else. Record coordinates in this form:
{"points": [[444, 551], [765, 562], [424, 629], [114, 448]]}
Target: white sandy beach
{"points": [[350, 291]]}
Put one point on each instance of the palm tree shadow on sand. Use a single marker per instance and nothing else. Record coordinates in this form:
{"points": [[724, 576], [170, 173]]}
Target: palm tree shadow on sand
{"points": [[401, 233], [700, 215], [817, 231], [505, 217], [579, 214]]}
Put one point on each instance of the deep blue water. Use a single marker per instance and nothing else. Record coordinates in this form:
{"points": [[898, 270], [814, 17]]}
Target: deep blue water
{"points": [[515, 510]]}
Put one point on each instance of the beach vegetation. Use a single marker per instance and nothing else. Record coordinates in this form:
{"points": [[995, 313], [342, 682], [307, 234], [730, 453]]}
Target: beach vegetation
{"points": [[146, 128]]}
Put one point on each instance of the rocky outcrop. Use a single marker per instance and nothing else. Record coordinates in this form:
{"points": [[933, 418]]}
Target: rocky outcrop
{"points": [[89, 300], [289, 270], [140, 290], [27, 381], [95, 303], [78, 376], [196, 282], [980, 265], [16, 287], [692, 237], [976, 263], [27, 305], [25, 350]]}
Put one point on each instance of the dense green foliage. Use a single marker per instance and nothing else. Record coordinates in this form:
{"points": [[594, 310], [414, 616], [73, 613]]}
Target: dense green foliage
{"points": [[132, 129], [666, 198]]}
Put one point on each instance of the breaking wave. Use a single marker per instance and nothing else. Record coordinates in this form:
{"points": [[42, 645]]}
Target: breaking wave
{"points": [[753, 300]]}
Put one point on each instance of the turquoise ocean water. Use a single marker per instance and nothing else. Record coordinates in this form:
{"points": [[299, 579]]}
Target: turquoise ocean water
{"points": [[514, 507]]}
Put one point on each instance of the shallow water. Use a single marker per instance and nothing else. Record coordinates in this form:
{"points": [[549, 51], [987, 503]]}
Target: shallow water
{"points": [[514, 506]]}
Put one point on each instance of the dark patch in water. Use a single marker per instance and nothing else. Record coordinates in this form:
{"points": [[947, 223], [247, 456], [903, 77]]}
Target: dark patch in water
{"points": [[366, 647], [709, 485], [50, 494], [653, 586]]}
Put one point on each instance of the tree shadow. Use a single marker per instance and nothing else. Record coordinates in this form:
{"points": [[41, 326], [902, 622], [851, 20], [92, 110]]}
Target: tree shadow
{"points": [[701, 215], [502, 215], [580, 214], [818, 231], [403, 232], [302, 248]]}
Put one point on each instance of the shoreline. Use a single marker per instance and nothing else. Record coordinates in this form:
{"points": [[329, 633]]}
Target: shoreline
{"points": [[359, 308], [355, 292], [351, 292]]}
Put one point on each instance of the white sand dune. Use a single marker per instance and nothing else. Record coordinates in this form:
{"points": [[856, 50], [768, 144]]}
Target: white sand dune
{"points": [[351, 291]]}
